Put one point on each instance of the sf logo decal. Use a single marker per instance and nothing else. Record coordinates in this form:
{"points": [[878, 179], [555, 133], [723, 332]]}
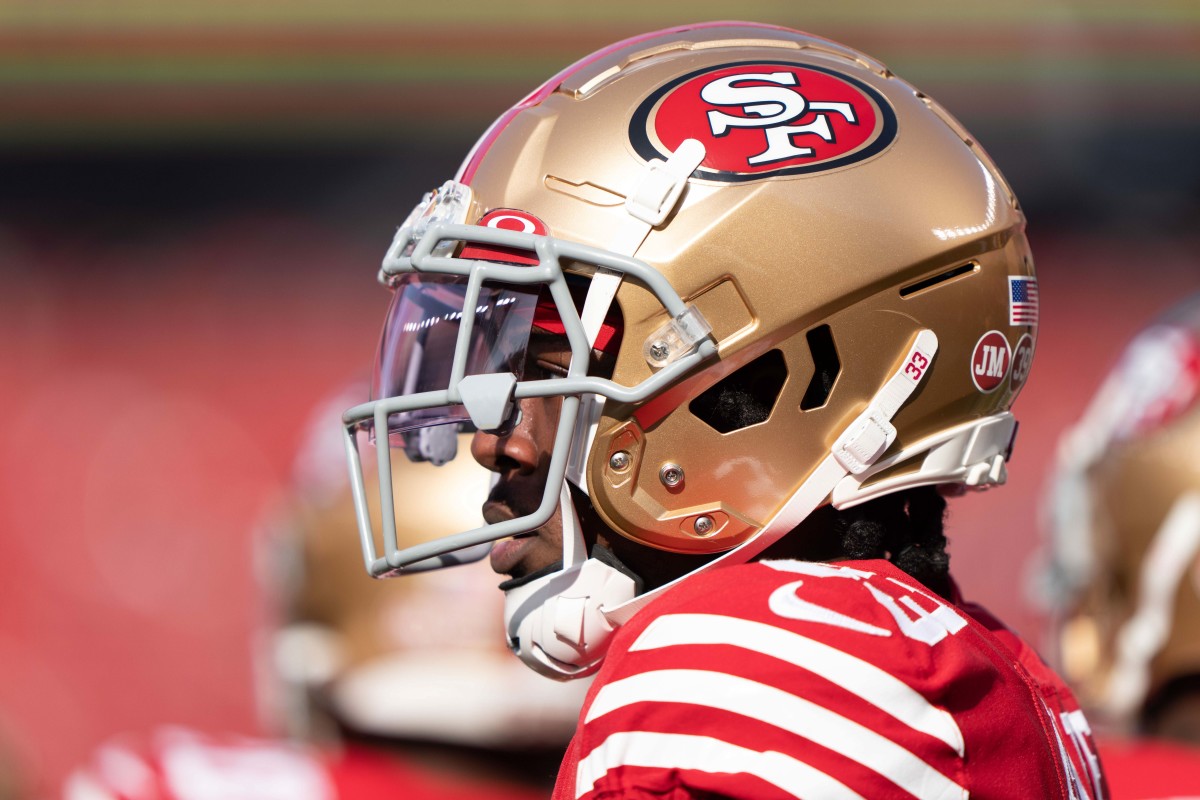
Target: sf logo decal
{"points": [[773, 110], [765, 119]]}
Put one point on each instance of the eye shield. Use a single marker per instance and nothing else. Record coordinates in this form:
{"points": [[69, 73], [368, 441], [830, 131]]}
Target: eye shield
{"points": [[416, 350]]}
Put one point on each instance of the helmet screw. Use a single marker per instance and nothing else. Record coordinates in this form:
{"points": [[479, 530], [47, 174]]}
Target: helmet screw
{"points": [[703, 525], [619, 461], [671, 475], [659, 351]]}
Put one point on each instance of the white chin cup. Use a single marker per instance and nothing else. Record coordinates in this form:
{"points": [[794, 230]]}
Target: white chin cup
{"points": [[556, 624]]}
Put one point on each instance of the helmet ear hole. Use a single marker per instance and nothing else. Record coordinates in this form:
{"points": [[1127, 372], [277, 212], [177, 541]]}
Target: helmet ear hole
{"points": [[744, 397], [826, 368]]}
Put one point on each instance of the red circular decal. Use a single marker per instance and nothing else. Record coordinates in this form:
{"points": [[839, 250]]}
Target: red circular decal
{"points": [[761, 119], [506, 219], [990, 361], [510, 219], [1022, 360]]}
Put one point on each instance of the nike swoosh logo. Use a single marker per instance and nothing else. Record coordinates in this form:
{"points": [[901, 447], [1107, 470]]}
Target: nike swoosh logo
{"points": [[785, 603]]}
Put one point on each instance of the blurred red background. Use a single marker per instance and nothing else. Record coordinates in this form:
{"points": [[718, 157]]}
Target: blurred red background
{"points": [[192, 210]]}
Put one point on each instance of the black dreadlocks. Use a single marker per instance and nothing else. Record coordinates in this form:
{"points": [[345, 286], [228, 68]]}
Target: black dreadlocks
{"points": [[905, 527]]}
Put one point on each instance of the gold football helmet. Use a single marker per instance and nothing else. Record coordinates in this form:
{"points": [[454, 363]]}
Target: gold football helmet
{"points": [[723, 210], [1125, 526]]}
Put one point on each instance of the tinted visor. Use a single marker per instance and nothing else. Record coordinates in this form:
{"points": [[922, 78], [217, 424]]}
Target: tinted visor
{"points": [[420, 337], [444, 479]]}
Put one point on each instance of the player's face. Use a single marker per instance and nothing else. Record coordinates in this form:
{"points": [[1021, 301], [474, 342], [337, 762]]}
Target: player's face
{"points": [[521, 459]]}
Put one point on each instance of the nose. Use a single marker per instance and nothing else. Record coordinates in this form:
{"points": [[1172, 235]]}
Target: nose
{"points": [[513, 450]]}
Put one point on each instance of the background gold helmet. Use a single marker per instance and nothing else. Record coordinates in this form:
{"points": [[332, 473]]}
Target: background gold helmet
{"points": [[773, 222], [1124, 528]]}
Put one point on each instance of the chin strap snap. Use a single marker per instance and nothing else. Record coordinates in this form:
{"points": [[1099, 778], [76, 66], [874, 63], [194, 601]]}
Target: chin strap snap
{"points": [[557, 625]]}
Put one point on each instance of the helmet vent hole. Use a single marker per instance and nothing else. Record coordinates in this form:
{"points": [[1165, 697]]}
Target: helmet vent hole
{"points": [[743, 398], [826, 366], [939, 279]]}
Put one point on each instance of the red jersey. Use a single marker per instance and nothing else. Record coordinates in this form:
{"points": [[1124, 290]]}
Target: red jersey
{"points": [[786, 679], [178, 764]]}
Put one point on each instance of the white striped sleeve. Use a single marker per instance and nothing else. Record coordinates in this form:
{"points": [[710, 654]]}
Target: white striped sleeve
{"points": [[874, 685], [705, 754], [785, 711]]}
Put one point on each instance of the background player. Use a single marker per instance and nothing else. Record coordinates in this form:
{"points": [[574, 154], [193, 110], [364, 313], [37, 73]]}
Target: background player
{"points": [[1124, 572]]}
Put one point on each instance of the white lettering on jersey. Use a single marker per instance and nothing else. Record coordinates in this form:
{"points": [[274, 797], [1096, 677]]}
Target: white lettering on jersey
{"points": [[771, 107], [1075, 788], [928, 626], [1080, 733]]}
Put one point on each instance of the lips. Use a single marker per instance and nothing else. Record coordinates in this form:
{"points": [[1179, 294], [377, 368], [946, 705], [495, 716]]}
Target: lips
{"points": [[507, 554]]}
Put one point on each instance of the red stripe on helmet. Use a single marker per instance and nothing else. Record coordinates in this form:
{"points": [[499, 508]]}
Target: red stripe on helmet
{"points": [[546, 318]]}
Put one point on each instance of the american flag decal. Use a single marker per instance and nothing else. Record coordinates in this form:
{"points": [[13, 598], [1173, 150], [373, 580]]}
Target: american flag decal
{"points": [[1022, 300]]}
